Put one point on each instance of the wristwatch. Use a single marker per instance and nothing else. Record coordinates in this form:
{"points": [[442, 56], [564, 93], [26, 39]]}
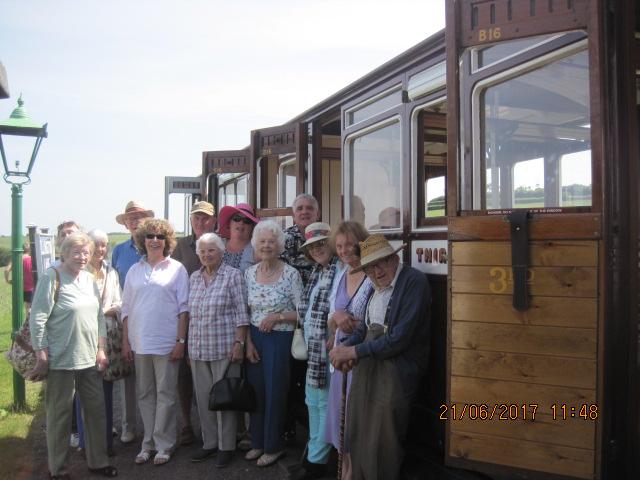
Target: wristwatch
{"points": [[281, 317], [181, 340]]}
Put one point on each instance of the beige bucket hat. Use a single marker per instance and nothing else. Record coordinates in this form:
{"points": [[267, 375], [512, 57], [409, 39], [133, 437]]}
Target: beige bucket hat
{"points": [[374, 248], [133, 207]]}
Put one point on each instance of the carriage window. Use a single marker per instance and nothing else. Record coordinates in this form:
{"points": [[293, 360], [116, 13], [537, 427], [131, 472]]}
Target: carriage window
{"points": [[432, 162], [381, 103], [287, 182], [232, 189], [375, 177], [489, 55], [276, 180], [535, 147]]}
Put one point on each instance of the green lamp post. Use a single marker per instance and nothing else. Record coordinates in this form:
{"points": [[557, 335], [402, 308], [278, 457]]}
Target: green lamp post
{"points": [[19, 125]]}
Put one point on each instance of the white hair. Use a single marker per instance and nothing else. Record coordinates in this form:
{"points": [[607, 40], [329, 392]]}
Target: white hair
{"points": [[268, 226], [210, 238], [98, 235], [305, 196]]}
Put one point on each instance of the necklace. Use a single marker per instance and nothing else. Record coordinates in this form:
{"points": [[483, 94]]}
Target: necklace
{"points": [[269, 273]]}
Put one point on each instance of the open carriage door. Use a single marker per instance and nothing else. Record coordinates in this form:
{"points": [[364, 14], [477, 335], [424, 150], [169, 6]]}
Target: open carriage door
{"points": [[278, 160], [225, 175], [527, 295]]}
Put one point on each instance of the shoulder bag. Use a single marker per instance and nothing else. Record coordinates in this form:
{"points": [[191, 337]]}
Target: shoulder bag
{"points": [[118, 367], [232, 393], [21, 355]]}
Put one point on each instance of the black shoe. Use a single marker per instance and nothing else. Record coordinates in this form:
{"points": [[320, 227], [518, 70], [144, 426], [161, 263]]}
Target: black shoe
{"points": [[224, 458], [203, 454], [111, 452]]}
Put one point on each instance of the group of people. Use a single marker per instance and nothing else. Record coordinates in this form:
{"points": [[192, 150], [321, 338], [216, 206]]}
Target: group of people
{"points": [[208, 305]]}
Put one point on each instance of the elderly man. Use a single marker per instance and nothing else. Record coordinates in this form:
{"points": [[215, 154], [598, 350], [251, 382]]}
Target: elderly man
{"points": [[305, 212], [203, 220], [123, 257], [390, 350]]}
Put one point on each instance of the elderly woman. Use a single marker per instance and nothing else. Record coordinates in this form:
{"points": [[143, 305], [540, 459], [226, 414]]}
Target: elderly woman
{"points": [[236, 225], [109, 287], [347, 309], [274, 289], [68, 334], [155, 313], [217, 332], [313, 311]]}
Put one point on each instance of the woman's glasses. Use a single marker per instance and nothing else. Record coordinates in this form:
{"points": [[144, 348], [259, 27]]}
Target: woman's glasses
{"points": [[240, 218], [151, 236]]}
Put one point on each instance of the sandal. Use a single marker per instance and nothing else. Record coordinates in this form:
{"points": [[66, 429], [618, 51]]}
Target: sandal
{"points": [[270, 458], [253, 454], [107, 471], [143, 457], [161, 458]]}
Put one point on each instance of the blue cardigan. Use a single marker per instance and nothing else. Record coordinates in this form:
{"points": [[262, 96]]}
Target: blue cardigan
{"points": [[406, 341]]}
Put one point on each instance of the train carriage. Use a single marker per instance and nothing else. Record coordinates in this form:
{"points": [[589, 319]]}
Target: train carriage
{"points": [[505, 154]]}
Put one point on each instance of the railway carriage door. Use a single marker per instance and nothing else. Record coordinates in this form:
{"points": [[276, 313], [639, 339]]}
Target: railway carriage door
{"points": [[524, 393], [226, 175], [279, 173]]}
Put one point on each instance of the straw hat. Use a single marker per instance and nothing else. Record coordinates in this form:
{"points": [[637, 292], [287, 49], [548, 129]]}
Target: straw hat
{"points": [[229, 211], [131, 208], [374, 248], [315, 232], [202, 207]]}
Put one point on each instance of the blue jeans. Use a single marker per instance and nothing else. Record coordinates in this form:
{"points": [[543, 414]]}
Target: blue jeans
{"points": [[270, 378], [316, 400]]}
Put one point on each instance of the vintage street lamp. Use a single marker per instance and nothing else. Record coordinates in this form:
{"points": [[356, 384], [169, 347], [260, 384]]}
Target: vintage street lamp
{"points": [[19, 125]]}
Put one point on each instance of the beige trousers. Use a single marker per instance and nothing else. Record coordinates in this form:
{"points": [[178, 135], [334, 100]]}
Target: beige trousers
{"points": [[157, 384], [218, 428], [59, 407]]}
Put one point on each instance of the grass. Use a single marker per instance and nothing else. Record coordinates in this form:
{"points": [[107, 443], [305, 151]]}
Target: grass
{"points": [[16, 428]]}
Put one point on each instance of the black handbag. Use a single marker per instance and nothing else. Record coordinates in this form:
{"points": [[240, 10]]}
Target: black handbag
{"points": [[232, 393]]}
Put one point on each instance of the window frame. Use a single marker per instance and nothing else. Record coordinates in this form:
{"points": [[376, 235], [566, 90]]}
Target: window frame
{"points": [[435, 224]]}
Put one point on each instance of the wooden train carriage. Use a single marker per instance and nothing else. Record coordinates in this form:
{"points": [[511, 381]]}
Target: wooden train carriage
{"points": [[505, 155]]}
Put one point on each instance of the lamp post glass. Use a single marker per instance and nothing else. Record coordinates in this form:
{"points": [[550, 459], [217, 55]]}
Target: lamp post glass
{"points": [[17, 134]]}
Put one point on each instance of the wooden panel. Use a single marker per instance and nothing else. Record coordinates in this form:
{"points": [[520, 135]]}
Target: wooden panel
{"points": [[558, 341], [225, 161], [574, 432], [523, 454], [544, 281], [569, 372], [541, 227], [549, 311], [487, 21], [550, 253], [476, 390]]}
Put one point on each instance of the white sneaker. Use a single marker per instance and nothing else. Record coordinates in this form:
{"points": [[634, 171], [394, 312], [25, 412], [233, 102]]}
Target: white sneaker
{"points": [[127, 437], [74, 441]]}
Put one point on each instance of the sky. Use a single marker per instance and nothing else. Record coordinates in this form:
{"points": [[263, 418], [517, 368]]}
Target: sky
{"points": [[136, 91]]}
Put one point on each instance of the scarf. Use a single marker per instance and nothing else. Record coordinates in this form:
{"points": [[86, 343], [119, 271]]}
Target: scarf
{"points": [[317, 326]]}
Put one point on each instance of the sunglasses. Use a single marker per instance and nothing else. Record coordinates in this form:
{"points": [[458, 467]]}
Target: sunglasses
{"points": [[240, 218], [151, 236]]}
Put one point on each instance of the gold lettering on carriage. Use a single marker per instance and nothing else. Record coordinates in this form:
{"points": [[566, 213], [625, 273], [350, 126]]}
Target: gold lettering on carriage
{"points": [[503, 278], [489, 34]]}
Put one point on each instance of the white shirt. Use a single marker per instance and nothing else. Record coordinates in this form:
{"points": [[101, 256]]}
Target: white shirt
{"points": [[377, 310], [152, 300]]}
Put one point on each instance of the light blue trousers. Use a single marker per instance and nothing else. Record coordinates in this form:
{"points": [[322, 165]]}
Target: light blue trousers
{"points": [[316, 400]]}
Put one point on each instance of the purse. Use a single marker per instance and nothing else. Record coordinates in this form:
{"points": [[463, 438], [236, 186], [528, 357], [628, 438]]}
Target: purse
{"points": [[232, 393], [118, 368], [21, 355], [298, 345]]}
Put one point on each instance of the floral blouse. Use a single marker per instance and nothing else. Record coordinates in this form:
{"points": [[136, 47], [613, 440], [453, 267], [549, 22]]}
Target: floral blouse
{"points": [[281, 296]]}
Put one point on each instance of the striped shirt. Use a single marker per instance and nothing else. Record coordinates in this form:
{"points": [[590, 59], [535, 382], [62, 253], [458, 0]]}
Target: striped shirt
{"points": [[216, 311]]}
